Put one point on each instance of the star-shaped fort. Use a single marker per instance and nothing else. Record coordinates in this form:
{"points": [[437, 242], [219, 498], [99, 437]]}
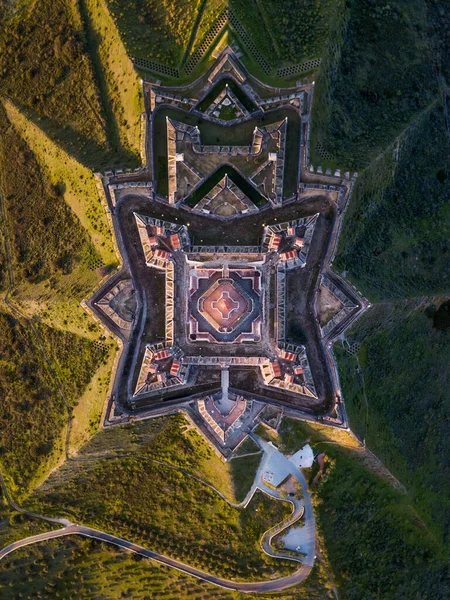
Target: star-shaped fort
{"points": [[225, 303]]}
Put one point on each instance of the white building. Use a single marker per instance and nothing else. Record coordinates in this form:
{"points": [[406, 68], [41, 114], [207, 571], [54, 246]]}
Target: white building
{"points": [[303, 458]]}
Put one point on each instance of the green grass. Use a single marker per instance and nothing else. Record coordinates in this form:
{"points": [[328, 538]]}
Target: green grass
{"points": [[209, 11], [293, 31], [44, 66], [48, 239], [375, 543], [394, 241], [243, 471], [377, 77], [247, 446], [74, 182], [88, 410], [15, 526], [118, 82], [57, 228], [155, 30], [189, 521], [267, 434], [89, 569], [32, 413], [371, 540], [404, 362]]}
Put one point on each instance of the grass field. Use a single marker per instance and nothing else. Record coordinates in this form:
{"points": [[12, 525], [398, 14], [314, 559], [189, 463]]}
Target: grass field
{"points": [[157, 30], [90, 569], [48, 239], [189, 520], [395, 237], [404, 368], [87, 413], [59, 237], [375, 542], [14, 526], [118, 82], [75, 183], [293, 31], [378, 75], [32, 414], [44, 66], [243, 471], [372, 542]]}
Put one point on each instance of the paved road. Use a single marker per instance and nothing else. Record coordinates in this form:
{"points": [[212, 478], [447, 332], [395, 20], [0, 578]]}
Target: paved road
{"points": [[263, 586], [27, 512], [300, 508]]}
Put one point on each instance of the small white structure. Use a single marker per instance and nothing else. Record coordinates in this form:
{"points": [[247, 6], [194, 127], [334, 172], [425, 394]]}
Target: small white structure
{"points": [[179, 157], [303, 458], [273, 156]]}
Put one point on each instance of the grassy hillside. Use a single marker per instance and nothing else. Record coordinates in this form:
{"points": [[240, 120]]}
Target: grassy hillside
{"points": [[379, 74], [88, 569], [189, 520], [118, 83], [293, 31], [59, 237], [375, 543], [44, 66], [45, 237], [395, 239], [404, 362], [15, 526], [74, 182], [208, 13], [159, 30], [33, 416], [214, 535]]}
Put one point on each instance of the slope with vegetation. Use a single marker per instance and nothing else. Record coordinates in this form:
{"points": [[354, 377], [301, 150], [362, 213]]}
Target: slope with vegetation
{"points": [[380, 72], [45, 68], [395, 239], [189, 521], [33, 415], [118, 81], [45, 237], [374, 541], [396, 384], [166, 452], [64, 64], [89, 569], [155, 29], [293, 31]]}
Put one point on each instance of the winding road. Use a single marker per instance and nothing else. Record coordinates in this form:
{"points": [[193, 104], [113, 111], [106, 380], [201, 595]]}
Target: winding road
{"points": [[301, 508]]}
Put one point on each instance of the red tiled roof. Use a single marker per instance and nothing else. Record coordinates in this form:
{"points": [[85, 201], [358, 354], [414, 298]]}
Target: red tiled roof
{"points": [[274, 242], [175, 368], [276, 369], [161, 253], [175, 241], [287, 355], [288, 255]]}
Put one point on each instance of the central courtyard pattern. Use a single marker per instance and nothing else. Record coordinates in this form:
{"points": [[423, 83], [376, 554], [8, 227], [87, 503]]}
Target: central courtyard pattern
{"points": [[227, 239]]}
